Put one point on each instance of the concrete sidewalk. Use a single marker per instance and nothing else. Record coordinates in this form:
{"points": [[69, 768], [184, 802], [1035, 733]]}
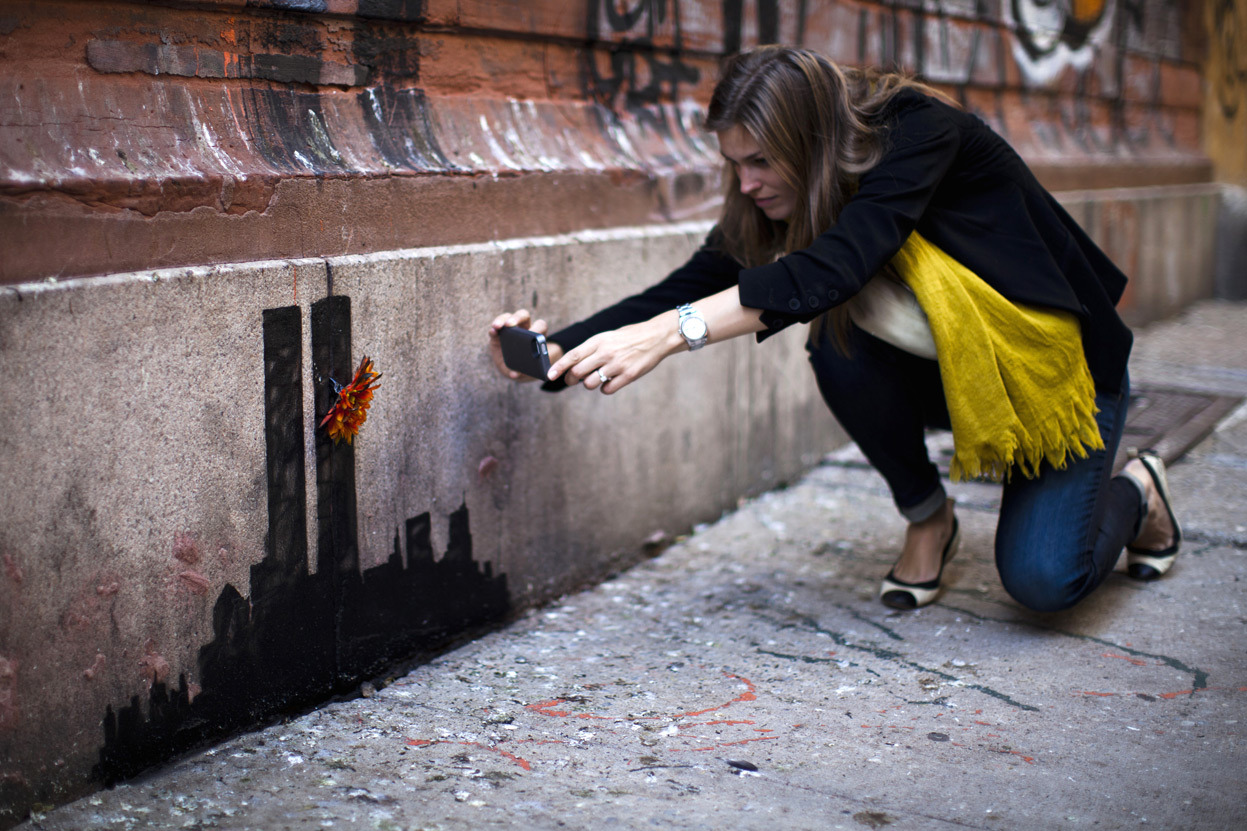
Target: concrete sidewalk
{"points": [[748, 678]]}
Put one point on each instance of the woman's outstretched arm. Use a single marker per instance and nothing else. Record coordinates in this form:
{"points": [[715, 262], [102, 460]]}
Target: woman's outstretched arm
{"points": [[627, 353]]}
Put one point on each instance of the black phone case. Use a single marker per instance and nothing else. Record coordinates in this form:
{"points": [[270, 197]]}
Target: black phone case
{"points": [[525, 351]]}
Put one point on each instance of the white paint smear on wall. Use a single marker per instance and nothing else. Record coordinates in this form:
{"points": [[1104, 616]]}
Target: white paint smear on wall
{"points": [[1045, 20]]}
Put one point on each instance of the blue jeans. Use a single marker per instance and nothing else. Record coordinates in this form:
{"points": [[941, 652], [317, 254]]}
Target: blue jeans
{"points": [[1059, 535]]}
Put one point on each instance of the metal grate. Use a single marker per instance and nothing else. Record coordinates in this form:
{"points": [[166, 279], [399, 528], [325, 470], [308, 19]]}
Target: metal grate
{"points": [[1171, 421]]}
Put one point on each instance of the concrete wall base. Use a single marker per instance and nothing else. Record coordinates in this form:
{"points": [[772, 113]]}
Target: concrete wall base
{"points": [[1163, 238], [184, 552]]}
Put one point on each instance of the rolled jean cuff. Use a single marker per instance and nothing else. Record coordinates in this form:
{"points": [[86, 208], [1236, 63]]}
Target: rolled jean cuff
{"points": [[927, 508]]}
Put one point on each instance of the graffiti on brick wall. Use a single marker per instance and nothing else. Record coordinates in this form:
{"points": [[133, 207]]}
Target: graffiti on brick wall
{"points": [[645, 62], [635, 73], [767, 20], [297, 636], [1045, 26], [1229, 56], [1050, 35], [1097, 39]]}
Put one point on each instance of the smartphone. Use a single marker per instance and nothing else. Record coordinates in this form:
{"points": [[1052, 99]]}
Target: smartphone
{"points": [[525, 351]]}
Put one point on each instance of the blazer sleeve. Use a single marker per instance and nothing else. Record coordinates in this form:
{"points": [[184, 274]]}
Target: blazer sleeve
{"points": [[922, 144], [707, 272]]}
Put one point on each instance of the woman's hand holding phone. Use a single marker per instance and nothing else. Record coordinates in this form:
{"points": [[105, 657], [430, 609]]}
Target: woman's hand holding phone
{"points": [[524, 320]]}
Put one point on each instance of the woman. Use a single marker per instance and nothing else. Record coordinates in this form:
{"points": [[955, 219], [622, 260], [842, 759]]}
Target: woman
{"points": [[844, 186]]}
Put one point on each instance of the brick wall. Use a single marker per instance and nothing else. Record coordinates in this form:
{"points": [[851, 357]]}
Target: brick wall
{"points": [[158, 135]]}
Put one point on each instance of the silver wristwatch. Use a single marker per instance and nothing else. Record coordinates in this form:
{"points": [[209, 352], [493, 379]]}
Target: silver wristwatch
{"points": [[692, 327]]}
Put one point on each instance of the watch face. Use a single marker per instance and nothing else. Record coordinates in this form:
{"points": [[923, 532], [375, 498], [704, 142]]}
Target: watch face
{"points": [[694, 328]]}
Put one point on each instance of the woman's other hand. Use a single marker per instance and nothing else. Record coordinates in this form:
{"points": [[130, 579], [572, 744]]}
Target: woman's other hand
{"points": [[622, 355], [524, 319]]}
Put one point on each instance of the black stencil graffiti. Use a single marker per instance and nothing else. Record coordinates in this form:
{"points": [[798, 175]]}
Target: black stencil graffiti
{"points": [[299, 637], [768, 23], [639, 73]]}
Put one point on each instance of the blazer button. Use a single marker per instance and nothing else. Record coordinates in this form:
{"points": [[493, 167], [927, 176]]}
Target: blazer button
{"points": [[794, 304], [813, 301], [833, 295]]}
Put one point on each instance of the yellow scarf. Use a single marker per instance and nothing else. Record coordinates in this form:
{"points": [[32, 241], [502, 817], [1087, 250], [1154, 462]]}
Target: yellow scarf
{"points": [[1015, 377]]}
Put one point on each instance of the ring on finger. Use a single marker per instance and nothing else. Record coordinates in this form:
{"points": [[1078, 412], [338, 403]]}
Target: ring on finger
{"points": [[602, 376]]}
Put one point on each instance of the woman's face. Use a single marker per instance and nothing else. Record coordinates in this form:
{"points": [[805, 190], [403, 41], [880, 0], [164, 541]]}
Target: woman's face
{"points": [[758, 179]]}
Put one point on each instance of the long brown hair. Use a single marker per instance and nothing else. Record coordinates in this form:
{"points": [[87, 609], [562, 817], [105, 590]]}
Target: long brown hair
{"points": [[817, 126]]}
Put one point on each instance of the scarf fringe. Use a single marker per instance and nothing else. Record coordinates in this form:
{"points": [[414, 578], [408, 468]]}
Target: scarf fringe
{"points": [[1060, 439]]}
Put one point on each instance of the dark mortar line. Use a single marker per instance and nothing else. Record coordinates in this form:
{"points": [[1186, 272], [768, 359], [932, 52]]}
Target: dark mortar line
{"points": [[423, 26], [896, 657], [1199, 677], [605, 45]]}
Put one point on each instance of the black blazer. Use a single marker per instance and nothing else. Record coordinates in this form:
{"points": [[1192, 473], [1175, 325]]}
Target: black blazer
{"points": [[948, 175]]}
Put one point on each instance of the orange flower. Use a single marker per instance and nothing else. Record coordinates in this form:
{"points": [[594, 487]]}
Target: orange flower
{"points": [[350, 411]]}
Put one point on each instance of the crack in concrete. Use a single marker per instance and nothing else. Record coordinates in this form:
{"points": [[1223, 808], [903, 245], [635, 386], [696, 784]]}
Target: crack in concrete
{"points": [[1198, 676], [856, 615], [806, 622], [809, 659]]}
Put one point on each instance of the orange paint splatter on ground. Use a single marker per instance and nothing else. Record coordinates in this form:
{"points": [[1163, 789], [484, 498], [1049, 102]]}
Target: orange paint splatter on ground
{"points": [[545, 707], [1138, 662], [747, 695], [722, 744], [1181, 692], [728, 722], [506, 754], [1100, 694]]}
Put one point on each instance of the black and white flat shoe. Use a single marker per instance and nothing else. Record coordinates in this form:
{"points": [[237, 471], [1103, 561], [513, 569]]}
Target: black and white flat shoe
{"points": [[898, 594], [1144, 564]]}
